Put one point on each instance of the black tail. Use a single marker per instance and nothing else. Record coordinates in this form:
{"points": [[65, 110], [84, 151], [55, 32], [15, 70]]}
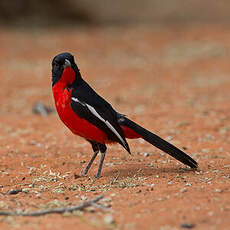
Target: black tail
{"points": [[159, 142]]}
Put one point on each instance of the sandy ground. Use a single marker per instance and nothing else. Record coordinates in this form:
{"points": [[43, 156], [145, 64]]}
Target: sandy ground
{"points": [[174, 81]]}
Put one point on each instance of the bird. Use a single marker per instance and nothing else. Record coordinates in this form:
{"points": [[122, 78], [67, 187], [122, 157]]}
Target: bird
{"points": [[90, 116]]}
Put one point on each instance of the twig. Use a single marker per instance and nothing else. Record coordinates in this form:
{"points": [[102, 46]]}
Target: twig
{"points": [[115, 179], [55, 210], [96, 205]]}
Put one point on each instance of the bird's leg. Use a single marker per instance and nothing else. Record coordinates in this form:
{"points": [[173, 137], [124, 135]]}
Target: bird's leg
{"points": [[90, 163], [95, 148], [103, 151]]}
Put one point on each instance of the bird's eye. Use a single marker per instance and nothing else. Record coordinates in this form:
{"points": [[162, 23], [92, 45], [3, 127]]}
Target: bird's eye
{"points": [[56, 64]]}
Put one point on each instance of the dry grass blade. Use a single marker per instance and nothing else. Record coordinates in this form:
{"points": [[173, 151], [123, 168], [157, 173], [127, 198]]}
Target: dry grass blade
{"points": [[81, 206]]}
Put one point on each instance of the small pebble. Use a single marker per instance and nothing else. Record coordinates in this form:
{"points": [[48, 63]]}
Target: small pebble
{"points": [[211, 213], [38, 194], [83, 198], [14, 192], [141, 141], [184, 190], [186, 225], [108, 219], [218, 190], [41, 109], [188, 184]]}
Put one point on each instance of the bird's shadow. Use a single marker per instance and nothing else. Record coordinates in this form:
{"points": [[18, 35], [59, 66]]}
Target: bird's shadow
{"points": [[132, 170]]}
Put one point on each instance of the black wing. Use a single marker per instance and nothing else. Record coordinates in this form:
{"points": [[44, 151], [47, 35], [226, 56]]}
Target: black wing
{"points": [[87, 104]]}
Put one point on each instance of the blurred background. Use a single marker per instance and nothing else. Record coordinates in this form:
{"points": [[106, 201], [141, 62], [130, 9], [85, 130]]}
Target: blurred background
{"points": [[132, 46], [104, 12]]}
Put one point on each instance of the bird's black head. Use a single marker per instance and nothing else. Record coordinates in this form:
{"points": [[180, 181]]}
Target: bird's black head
{"points": [[65, 68]]}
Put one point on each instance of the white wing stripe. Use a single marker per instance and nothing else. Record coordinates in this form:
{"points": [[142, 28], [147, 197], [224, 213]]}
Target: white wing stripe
{"points": [[95, 113], [76, 100], [107, 123]]}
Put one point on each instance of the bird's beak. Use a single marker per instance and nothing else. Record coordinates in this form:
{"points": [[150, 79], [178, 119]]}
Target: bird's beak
{"points": [[67, 63]]}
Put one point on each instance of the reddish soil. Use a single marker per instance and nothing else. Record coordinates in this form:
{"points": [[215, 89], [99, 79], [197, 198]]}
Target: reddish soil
{"points": [[174, 81]]}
